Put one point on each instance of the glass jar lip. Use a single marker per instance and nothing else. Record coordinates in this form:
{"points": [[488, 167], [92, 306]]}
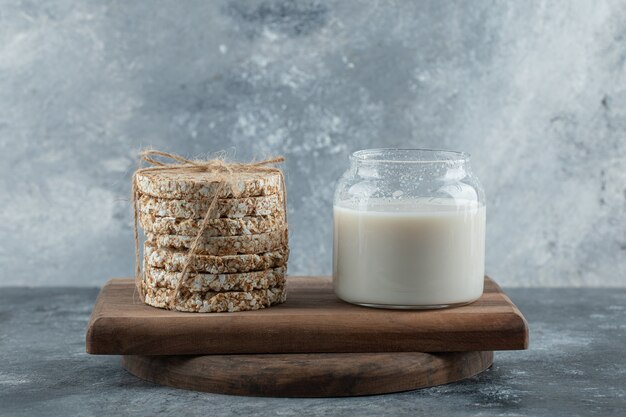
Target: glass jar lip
{"points": [[409, 156]]}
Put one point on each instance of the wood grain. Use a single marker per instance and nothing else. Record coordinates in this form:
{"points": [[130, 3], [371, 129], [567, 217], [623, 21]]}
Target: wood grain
{"points": [[313, 320], [308, 375]]}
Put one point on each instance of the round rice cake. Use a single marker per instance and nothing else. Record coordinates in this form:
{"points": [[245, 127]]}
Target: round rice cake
{"points": [[175, 260], [198, 282], [224, 245], [179, 184], [214, 302], [269, 205], [215, 227]]}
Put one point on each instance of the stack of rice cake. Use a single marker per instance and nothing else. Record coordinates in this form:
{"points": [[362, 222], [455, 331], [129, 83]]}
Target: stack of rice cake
{"points": [[241, 260]]}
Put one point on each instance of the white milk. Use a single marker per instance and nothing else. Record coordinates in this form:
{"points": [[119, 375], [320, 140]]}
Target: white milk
{"points": [[412, 253]]}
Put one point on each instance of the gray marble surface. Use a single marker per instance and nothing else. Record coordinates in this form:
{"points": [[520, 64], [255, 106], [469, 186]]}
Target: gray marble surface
{"points": [[535, 90], [576, 366]]}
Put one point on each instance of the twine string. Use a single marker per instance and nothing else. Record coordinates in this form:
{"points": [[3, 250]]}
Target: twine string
{"points": [[224, 175]]}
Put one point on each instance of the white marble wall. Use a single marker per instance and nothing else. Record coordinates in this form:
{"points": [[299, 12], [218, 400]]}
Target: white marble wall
{"points": [[535, 90]]}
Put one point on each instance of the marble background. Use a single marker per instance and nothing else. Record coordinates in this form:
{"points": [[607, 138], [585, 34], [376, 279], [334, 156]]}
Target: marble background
{"points": [[535, 90]]}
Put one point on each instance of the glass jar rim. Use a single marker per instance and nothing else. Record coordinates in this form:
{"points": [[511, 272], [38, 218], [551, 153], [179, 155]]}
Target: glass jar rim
{"points": [[409, 155]]}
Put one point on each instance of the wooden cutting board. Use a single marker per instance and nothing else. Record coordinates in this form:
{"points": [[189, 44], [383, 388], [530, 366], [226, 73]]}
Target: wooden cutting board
{"points": [[312, 320], [309, 374]]}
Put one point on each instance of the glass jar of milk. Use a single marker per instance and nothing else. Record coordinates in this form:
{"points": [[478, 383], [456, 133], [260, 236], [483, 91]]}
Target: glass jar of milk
{"points": [[409, 230]]}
